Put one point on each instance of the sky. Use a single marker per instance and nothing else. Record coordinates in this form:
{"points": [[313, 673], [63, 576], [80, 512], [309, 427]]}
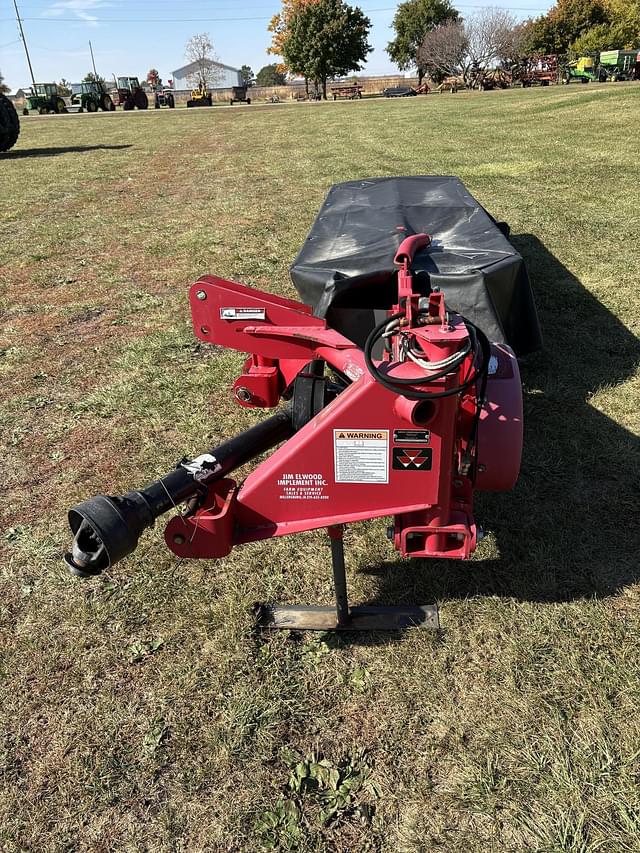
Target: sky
{"points": [[131, 36]]}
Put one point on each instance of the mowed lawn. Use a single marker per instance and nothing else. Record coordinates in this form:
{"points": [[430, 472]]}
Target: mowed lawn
{"points": [[140, 711]]}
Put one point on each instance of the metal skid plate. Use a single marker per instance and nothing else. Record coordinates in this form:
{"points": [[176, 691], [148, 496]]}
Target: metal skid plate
{"points": [[362, 618]]}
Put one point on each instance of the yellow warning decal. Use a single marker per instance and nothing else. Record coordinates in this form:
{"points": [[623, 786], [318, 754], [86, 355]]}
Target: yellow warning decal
{"points": [[362, 434]]}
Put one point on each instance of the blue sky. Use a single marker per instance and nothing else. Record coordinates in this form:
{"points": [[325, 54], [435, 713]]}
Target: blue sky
{"points": [[131, 36]]}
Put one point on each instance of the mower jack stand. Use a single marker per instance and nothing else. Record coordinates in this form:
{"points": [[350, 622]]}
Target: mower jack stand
{"points": [[342, 617]]}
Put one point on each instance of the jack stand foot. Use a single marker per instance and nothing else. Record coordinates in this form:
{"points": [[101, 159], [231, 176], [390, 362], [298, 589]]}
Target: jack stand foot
{"points": [[362, 618], [342, 617]]}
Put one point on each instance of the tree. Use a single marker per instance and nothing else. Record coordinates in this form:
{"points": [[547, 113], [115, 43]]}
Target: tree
{"points": [[625, 15], [600, 37], [622, 31], [4, 89], [92, 78], [248, 77], [199, 52], [326, 38], [443, 51], [564, 23], [412, 21], [279, 26], [271, 75], [153, 78], [490, 38]]}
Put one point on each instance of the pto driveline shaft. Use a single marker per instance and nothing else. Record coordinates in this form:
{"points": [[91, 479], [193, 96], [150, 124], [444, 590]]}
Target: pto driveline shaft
{"points": [[106, 529]]}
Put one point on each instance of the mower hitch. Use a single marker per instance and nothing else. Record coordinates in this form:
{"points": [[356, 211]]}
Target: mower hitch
{"points": [[408, 426]]}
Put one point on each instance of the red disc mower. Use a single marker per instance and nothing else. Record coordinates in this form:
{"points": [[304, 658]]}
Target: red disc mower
{"points": [[396, 403]]}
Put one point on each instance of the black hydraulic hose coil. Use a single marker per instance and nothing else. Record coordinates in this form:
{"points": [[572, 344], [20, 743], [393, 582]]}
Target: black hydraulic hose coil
{"points": [[480, 346]]}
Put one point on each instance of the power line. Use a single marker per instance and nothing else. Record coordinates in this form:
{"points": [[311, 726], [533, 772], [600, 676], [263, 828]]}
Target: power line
{"points": [[251, 6], [93, 19]]}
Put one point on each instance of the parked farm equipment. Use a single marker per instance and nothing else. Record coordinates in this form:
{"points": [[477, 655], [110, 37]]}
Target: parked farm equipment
{"points": [[200, 97], [402, 396], [619, 65], [130, 94], [164, 98], [451, 84], [537, 70], [351, 93], [9, 124], [239, 94], [487, 79], [90, 96], [582, 70], [44, 98], [399, 92]]}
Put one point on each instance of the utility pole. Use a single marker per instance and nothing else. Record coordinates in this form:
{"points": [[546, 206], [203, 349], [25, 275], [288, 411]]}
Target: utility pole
{"points": [[24, 42], [93, 62]]}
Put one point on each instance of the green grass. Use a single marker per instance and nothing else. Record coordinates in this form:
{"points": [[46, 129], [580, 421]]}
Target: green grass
{"points": [[140, 711]]}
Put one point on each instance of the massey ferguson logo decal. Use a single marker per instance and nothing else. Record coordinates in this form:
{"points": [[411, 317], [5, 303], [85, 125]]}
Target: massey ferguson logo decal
{"points": [[412, 458]]}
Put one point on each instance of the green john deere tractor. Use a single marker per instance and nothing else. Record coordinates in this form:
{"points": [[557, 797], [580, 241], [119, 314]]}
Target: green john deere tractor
{"points": [[9, 124], [44, 98], [582, 70], [91, 96]]}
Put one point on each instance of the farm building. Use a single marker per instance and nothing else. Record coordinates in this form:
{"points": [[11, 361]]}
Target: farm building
{"points": [[226, 76]]}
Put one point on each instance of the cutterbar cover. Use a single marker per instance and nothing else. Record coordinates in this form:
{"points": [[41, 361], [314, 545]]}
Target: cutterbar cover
{"points": [[345, 268]]}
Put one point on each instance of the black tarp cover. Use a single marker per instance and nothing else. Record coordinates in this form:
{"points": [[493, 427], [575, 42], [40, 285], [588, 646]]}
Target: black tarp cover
{"points": [[345, 268]]}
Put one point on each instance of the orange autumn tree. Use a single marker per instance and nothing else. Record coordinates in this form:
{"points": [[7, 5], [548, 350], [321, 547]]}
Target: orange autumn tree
{"points": [[279, 29]]}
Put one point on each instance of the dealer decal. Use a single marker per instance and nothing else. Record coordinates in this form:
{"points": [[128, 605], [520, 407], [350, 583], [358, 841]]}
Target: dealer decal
{"points": [[302, 487]]}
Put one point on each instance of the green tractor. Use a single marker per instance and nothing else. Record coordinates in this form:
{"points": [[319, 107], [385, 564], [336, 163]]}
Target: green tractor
{"points": [[91, 96], [44, 98], [9, 124], [582, 70]]}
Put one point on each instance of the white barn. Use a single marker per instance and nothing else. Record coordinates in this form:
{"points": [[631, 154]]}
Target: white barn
{"points": [[226, 76]]}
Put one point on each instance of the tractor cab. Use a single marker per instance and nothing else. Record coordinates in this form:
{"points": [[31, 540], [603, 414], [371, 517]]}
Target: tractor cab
{"points": [[90, 95], [130, 84], [131, 94], [44, 98], [45, 90]]}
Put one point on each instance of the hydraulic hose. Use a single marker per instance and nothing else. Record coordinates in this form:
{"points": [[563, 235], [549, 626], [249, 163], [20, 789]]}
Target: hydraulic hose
{"points": [[480, 347]]}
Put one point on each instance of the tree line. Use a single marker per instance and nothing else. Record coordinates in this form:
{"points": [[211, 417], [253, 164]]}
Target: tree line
{"points": [[322, 39], [319, 40]]}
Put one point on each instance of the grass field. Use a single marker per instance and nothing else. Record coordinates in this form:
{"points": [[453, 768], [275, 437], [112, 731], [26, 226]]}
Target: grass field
{"points": [[140, 711]]}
